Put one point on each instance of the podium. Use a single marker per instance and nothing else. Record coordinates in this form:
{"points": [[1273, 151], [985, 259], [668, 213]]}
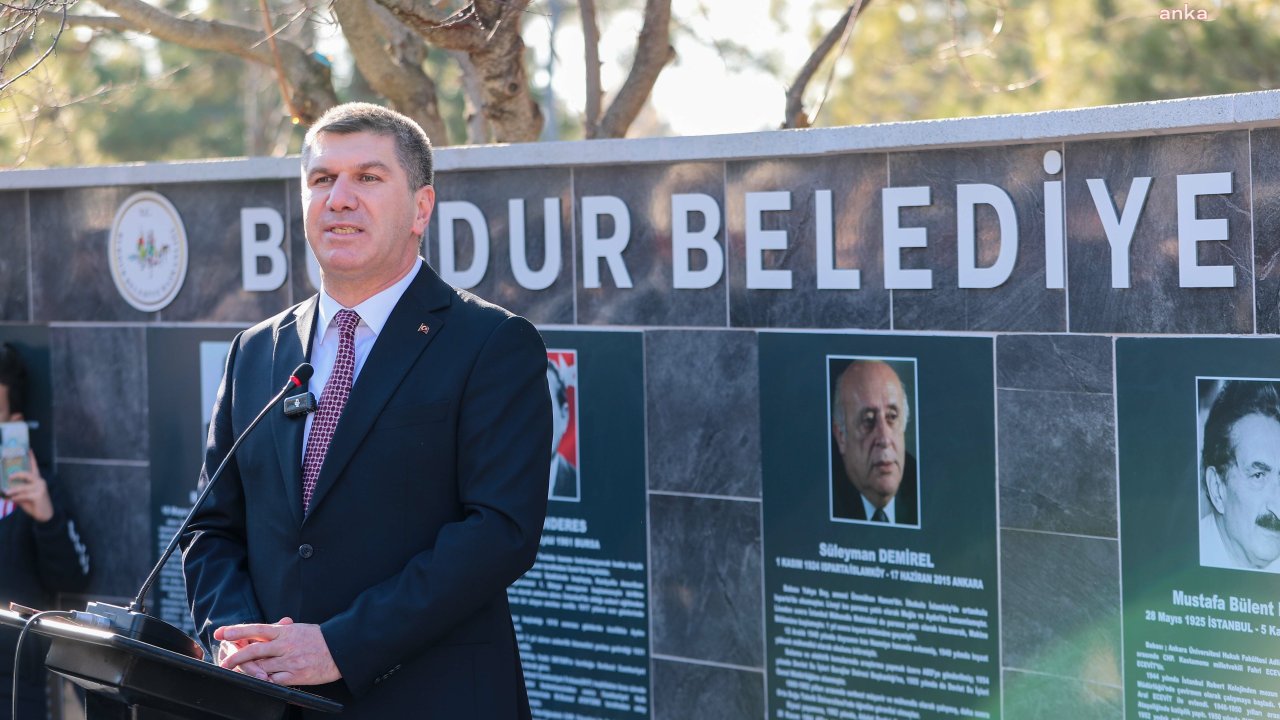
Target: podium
{"points": [[128, 678]]}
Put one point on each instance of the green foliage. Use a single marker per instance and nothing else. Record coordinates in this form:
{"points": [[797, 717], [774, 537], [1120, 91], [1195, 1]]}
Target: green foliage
{"points": [[1237, 51], [921, 59], [194, 113]]}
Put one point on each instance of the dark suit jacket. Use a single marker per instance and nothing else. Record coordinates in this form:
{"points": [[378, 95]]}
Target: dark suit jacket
{"points": [[429, 504], [847, 503]]}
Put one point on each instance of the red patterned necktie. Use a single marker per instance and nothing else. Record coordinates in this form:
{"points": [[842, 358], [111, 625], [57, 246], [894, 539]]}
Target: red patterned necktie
{"points": [[332, 399]]}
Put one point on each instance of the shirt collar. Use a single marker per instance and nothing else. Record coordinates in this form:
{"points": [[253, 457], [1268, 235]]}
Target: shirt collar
{"points": [[374, 311], [890, 510]]}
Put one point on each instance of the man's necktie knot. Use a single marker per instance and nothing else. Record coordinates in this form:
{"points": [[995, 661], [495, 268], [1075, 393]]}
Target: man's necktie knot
{"points": [[347, 321]]}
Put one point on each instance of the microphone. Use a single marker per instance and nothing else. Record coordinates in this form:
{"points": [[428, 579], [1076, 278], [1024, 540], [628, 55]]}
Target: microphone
{"points": [[132, 621]]}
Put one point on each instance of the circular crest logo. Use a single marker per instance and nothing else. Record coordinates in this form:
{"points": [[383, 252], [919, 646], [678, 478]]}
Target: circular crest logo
{"points": [[148, 251]]}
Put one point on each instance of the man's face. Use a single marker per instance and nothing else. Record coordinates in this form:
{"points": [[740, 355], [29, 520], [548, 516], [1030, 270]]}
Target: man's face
{"points": [[559, 412], [1248, 498], [362, 220], [872, 442]]}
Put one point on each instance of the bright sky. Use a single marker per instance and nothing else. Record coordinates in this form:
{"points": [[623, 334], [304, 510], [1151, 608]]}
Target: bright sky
{"points": [[700, 93]]}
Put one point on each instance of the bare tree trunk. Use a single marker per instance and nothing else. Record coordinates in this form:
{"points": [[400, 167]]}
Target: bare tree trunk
{"points": [[254, 132], [591, 43], [509, 105], [488, 31], [478, 132], [653, 52], [551, 122], [389, 55], [796, 117]]}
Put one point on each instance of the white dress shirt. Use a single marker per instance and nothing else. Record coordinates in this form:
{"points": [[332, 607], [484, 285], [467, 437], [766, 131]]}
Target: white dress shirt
{"points": [[324, 345], [890, 510]]}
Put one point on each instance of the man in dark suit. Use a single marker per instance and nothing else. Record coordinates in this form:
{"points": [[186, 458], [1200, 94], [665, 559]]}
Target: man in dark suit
{"points": [[365, 551], [870, 413]]}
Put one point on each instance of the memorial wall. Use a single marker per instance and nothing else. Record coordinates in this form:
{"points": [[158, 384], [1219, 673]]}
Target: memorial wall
{"points": [[1062, 499]]}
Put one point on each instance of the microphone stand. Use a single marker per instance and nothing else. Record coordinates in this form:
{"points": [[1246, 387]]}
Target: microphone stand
{"points": [[132, 621]]}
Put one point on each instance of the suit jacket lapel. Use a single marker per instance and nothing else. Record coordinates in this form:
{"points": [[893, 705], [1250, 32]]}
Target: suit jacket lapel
{"points": [[293, 346], [410, 328]]}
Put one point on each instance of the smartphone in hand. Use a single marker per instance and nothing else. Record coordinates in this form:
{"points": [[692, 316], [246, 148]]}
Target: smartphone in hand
{"points": [[14, 452]]}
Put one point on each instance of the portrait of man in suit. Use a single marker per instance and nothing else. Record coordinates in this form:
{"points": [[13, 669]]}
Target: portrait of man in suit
{"points": [[873, 472], [364, 551], [1240, 467], [562, 482]]}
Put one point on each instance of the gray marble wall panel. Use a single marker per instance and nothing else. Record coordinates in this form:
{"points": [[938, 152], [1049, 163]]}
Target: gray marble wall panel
{"points": [[1264, 149], [706, 579], [1023, 302], [15, 302], [1069, 363], [855, 182], [110, 505], [491, 192], [685, 690], [1059, 563], [1031, 696], [71, 276], [214, 287], [704, 437], [100, 400], [1057, 434], [1057, 462], [1154, 301], [1061, 606], [646, 191]]}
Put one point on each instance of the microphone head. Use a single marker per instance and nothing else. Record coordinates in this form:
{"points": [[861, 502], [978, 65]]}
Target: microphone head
{"points": [[302, 374]]}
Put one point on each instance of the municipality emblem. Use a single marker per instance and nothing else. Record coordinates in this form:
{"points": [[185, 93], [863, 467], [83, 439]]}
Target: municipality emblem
{"points": [[147, 250]]}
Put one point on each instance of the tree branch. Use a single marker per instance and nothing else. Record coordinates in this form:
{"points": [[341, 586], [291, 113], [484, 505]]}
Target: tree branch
{"points": [[389, 55], [983, 49], [114, 23], [488, 31], [796, 117], [591, 44], [12, 37], [312, 86], [653, 52], [461, 30]]}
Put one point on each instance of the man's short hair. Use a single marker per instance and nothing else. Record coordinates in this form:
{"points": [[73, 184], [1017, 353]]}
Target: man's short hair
{"points": [[13, 375], [561, 394], [413, 147], [1237, 400]]}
